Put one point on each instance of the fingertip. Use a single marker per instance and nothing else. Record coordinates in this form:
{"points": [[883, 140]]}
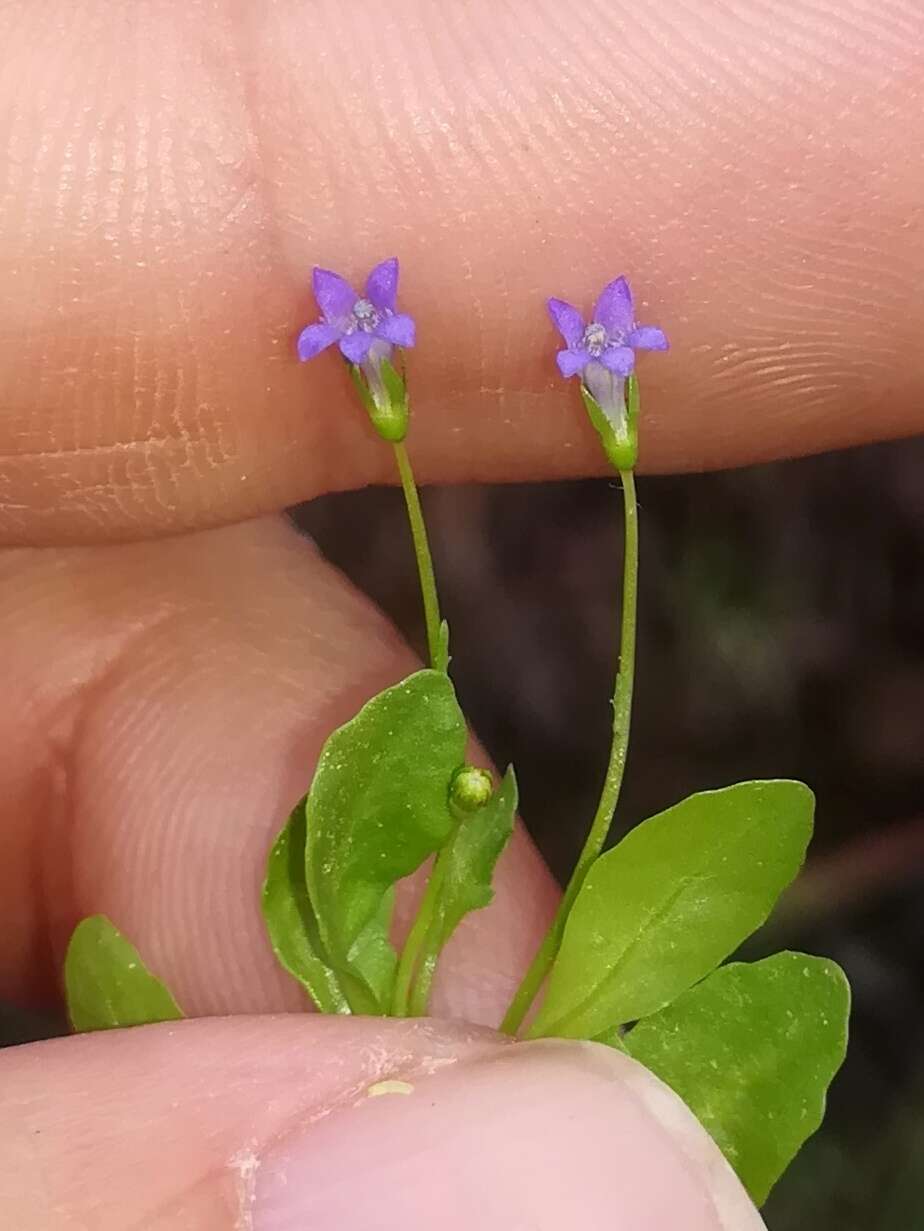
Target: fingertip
{"points": [[282, 1123], [151, 387], [545, 1135]]}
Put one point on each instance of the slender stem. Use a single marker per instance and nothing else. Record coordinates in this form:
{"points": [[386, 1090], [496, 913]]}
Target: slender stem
{"points": [[612, 783], [424, 560], [426, 968], [428, 949], [437, 647], [417, 935]]}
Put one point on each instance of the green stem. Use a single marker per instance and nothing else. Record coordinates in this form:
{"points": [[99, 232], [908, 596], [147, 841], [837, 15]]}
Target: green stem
{"points": [[420, 995], [437, 645], [401, 1001], [435, 640], [612, 783], [428, 950]]}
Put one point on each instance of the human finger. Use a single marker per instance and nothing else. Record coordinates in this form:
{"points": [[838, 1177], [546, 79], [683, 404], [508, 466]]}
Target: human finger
{"points": [[173, 172], [164, 705], [281, 1123]]}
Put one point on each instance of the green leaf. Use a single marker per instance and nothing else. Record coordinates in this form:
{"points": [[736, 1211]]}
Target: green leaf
{"points": [[752, 1050], [614, 1037], [678, 894], [377, 808], [443, 656], [290, 919], [470, 861], [107, 984], [374, 960]]}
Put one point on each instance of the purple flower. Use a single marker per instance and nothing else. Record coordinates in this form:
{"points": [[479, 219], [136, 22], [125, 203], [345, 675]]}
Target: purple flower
{"points": [[603, 355], [367, 327], [612, 337]]}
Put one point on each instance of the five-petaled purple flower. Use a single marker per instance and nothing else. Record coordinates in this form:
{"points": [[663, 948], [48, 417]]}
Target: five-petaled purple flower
{"points": [[366, 327], [603, 352], [612, 337]]}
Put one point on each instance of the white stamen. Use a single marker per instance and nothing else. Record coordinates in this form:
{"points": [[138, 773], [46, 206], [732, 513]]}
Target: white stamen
{"points": [[595, 339], [365, 315]]}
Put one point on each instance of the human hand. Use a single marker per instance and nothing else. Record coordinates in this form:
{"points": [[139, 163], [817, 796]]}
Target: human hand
{"points": [[165, 699]]}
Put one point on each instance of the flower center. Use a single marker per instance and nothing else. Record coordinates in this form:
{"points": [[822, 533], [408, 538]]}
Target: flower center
{"points": [[365, 315], [595, 339]]}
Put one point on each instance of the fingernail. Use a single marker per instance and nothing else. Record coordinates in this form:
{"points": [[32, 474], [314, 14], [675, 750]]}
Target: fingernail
{"points": [[541, 1135]]}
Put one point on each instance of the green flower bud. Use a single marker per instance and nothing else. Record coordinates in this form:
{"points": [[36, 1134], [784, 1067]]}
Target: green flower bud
{"points": [[471, 788]]}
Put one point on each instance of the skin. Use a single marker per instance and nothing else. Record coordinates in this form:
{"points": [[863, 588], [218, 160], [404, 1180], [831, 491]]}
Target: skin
{"points": [[174, 654]]}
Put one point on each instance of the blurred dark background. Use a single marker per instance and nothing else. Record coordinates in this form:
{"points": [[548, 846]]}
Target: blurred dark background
{"points": [[782, 635]]}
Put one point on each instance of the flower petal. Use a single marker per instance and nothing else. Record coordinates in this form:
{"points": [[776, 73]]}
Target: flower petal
{"points": [[567, 320], [648, 337], [618, 359], [382, 285], [355, 346], [334, 295], [614, 307], [570, 362], [397, 329], [315, 338]]}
